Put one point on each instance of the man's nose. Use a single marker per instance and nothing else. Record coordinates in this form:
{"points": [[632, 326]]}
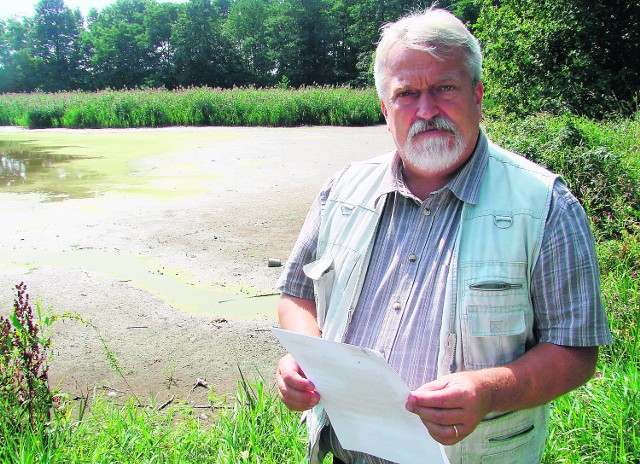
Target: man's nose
{"points": [[427, 106]]}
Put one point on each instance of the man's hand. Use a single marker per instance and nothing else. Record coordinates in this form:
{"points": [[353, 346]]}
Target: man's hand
{"points": [[452, 406], [295, 390]]}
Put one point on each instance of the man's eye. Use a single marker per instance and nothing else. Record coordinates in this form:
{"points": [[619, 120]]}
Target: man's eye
{"points": [[447, 88], [405, 93]]}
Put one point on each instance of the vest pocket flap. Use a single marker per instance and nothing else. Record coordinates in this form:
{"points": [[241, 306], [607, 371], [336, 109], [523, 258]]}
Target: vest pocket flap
{"points": [[316, 269], [496, 321]]}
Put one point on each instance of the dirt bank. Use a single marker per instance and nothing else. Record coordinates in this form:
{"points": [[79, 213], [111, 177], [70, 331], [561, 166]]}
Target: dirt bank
{"points": [[144, 264]]}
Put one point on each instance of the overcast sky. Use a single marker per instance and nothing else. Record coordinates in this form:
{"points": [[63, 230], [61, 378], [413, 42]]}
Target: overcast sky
{"points": [[9, 8]]}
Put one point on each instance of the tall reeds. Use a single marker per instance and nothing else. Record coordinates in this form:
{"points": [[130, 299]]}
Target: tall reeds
{"points": [[337, 106]]}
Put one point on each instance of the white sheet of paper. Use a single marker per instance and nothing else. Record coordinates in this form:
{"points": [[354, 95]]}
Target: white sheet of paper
{"points": [[364, 398]]}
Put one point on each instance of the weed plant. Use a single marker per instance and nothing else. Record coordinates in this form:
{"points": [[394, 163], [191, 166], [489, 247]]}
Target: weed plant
{"points": [[25, 398], [336, 106]]}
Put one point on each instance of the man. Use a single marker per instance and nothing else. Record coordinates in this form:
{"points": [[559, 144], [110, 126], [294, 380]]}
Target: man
{"points": [[470, 268]]}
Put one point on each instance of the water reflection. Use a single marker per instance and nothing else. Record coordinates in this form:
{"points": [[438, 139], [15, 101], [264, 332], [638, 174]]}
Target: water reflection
{"points": [[25, 167], [12, 170]]}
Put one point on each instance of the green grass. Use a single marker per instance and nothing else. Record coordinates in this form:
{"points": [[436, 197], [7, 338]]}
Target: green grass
{"points": [[600, 422], [254, 428], [336, 106]]}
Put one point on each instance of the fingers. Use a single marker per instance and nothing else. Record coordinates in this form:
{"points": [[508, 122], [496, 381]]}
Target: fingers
{"points": [[447, 426], [295, 390], [447, 434], [450, 407]]}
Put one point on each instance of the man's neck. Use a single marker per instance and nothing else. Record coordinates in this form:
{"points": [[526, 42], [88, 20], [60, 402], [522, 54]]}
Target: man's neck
{"points": [[421, 184]]}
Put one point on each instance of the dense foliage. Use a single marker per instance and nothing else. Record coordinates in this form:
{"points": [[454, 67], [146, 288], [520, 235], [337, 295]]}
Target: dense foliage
{"points": [[574, 56], [600, 161], [216, 43]]}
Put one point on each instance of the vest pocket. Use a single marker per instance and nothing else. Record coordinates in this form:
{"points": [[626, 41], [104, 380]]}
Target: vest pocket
{"points": [[495, 335], [518, 454], [514, 438], [495, 313], [333, 287]]}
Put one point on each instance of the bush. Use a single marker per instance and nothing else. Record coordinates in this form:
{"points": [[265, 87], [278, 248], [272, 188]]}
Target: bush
{"points": [[602, 177], [561, 56], [42, 118]]}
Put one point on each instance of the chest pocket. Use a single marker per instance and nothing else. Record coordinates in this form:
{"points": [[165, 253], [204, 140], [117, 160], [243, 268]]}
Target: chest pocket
{"points": [[495, 313]]}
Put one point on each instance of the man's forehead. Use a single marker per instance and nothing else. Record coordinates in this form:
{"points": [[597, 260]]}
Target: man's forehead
{"points": [[411, 72]]}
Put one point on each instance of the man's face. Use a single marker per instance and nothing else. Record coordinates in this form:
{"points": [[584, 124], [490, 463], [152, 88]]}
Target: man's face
{"points": [[436, 99]]}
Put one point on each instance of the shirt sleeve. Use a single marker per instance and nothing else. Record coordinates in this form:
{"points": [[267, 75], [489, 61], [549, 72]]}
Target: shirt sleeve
{"points": [[293, 280], [566, 278]]}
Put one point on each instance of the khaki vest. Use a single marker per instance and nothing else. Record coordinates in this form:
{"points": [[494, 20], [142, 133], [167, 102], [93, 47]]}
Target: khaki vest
{"points": [[488, 315]]}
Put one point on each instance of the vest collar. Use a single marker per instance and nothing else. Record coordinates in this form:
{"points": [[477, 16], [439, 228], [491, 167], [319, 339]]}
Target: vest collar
{"points": [[466, 183]]}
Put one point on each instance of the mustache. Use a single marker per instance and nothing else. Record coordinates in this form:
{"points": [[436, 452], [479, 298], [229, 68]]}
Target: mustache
{"points": [[435, 123]]}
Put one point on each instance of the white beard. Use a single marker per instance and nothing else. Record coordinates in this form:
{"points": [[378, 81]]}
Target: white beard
{"points": [[431, 154]]}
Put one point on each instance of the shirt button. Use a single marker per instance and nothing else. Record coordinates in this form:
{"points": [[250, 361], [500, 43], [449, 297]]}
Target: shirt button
{"points": [[426, 212], [397, 306], [412, 257]]}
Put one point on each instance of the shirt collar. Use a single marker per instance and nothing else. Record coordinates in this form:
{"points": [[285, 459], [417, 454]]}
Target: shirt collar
{"points": [[465, 185]]}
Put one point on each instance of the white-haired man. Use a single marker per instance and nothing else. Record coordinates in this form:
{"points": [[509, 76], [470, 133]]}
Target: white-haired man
{"points": [[470, 268]]}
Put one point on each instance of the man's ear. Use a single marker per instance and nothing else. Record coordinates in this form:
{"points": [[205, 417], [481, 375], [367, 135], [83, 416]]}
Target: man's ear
{"points": [[384, 111], [479, 93]]}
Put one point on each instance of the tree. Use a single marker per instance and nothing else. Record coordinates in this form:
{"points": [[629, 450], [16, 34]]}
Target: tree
{"points": [[203, 55], [19, 70], [158, 23], [366, 18], [55, 36], [122, 56], [468, 11], [245, 25], [284, 41], [218, 43], [561, 55], [317, 36]]}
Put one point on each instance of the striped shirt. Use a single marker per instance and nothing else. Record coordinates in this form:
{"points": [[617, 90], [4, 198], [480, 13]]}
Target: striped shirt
{"points": [[400, 308]]}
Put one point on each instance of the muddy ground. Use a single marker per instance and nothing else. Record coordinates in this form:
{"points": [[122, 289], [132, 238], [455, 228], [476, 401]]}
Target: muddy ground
{"points": [[255, 185]]}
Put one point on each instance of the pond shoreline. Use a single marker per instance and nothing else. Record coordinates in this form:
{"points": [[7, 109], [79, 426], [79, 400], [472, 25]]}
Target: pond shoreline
{"points": [[255, 186]]}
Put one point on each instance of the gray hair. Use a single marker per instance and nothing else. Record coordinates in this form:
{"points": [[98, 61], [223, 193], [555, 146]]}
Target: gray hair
{"points": [[436, 32]]}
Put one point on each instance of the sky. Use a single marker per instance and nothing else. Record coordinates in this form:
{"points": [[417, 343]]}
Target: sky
{"points": [[9, 8]]}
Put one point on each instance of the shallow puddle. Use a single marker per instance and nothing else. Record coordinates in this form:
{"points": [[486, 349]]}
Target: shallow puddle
{"points": [[28, 168], [174, 286], [84, 164]]}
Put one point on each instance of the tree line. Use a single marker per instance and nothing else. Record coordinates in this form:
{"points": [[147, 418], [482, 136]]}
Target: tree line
{"points": [[216, 43], [540, 54]]}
